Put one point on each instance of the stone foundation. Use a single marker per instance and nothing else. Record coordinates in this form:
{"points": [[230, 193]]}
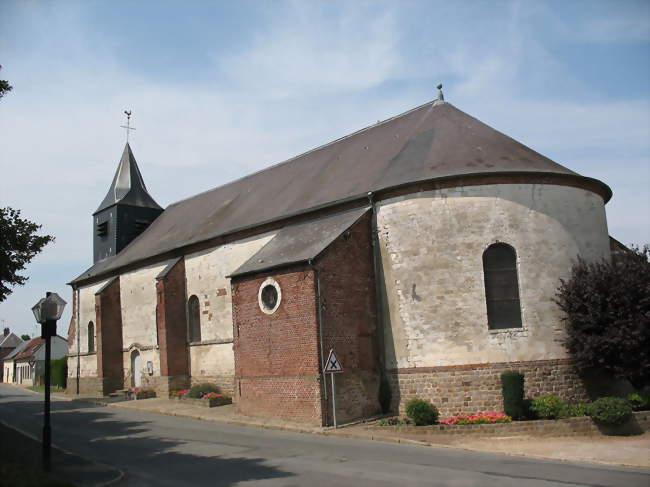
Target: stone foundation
{"points": [[476, 388], [95, 386]]}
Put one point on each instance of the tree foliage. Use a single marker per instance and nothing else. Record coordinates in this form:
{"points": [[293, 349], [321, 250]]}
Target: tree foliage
{"points": [[607, 307], [26, 337], [19, 243], [5, 87]]}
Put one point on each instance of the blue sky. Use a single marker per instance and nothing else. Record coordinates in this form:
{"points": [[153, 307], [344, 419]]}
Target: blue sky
{"points": [[221, 89]]}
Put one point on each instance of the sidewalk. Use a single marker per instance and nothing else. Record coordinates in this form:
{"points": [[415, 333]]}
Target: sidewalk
{"points": [[630, 451]]}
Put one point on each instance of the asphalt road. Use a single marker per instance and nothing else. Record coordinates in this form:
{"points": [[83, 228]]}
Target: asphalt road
{"points": [[155, 450]]}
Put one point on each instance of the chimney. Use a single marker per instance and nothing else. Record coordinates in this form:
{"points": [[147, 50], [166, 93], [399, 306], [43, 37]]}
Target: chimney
{"points": [[6, 332]]}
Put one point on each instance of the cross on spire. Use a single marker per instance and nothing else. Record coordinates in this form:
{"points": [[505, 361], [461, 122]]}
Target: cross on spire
{"points": [[127, 127]]}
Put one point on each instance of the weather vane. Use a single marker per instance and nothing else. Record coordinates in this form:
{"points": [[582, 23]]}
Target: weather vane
{"points": [[127, 127]]}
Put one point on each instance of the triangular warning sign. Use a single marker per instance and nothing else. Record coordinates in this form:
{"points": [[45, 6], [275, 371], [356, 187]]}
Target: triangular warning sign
{"points": [[332, 365]]}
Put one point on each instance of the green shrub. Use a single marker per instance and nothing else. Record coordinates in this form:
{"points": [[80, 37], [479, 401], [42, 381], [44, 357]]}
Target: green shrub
{"points": [[512, 390], [575, 410], [421, 412], [548, 406], [59, 370], [639, 401], [199, 390], [612, 410]]}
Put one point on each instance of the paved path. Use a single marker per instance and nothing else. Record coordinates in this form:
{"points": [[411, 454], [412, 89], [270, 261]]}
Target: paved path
{"points": [[156, 450]]}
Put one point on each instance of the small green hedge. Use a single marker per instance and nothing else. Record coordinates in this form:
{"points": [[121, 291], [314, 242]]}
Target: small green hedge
{"points": [[548, 406], [421, 412], [639, 401], [612, 410], [60, 372], [200, 390], [512, 390]]}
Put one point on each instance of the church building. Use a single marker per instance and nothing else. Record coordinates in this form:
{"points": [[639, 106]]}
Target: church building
{"points": [[425, 250]]}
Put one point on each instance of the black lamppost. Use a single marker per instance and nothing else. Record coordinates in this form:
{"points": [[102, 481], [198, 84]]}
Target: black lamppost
{"points": [[47, 311]]}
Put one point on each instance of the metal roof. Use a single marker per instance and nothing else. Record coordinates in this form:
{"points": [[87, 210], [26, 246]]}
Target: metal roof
{"points": [[22, 346], [301, 242], [431, 142], [128, 186]]}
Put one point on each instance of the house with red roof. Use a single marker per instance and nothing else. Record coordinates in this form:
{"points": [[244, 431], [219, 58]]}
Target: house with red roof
{"points": [[28, 363]]}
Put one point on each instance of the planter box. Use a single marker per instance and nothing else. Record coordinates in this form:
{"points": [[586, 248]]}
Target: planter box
{"points": [[206, 403], [637, 424]]}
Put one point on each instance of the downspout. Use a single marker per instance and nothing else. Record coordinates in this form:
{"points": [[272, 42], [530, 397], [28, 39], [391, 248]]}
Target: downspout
{"points": [[77, 318], [379, 300], [320, 325]]}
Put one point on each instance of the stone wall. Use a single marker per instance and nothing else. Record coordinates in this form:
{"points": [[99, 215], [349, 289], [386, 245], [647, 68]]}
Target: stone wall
{"points": [[476, 388], [277, 360], [431, 250]]}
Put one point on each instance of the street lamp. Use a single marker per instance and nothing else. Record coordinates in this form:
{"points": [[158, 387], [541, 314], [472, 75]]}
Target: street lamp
{"points": [[47, 312]]}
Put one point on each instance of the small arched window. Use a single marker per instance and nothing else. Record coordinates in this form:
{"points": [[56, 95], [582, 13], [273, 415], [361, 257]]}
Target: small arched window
{"points": [[501, 287], [91, 337], [194, 318]]}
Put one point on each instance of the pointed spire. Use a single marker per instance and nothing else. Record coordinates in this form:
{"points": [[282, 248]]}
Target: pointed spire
{"points": [[128, 186], [441, 97]]}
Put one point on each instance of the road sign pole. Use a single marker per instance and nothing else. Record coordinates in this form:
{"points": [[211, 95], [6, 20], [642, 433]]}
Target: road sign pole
{"points": [[333, 401]]}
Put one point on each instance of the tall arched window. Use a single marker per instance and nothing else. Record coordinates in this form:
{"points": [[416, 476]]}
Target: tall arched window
{"points": [[194, 318], [91, 337], [501, 287]]}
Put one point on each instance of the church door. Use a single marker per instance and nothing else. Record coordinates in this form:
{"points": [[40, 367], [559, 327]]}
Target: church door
{"points": [[136, 368]]}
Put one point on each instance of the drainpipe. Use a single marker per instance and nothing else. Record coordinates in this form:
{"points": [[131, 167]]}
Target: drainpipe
{"points": [[77, 318], [320, 325], [379, 297]]}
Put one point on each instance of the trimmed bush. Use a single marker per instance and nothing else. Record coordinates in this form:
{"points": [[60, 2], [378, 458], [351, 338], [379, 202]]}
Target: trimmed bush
{"points": [[512, 390], [548, 406], [575, 410], [612, 410], [200, 390], [421, 412], [639, 401], [59, 370]]}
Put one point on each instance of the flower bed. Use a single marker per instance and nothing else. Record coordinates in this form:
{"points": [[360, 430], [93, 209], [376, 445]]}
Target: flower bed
{"points": [[638, 422], [481, 418], [140, 393], [209, 400]]}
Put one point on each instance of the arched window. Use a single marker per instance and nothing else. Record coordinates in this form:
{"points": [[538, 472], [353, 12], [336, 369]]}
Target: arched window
{"points": [[91, 337], [501, 287], [194, 318]]}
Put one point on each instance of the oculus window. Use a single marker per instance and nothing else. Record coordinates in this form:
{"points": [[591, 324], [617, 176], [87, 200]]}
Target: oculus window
{"points": [[269, 296]]}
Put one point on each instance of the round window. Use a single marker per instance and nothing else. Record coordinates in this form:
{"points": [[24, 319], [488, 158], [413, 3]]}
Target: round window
{"points": [[269, 296]]}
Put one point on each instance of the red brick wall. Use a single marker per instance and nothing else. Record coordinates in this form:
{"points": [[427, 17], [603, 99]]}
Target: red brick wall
{"points": [[469, 389], [277, 356], [109, 337], [171, 322], [349, 321]]}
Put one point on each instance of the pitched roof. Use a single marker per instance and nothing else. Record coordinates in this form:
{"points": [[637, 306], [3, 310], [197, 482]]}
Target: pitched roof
{"points": [[435, 141], [10, 340], [32, 346], [128, 186], [17, 350], [300, 243]]}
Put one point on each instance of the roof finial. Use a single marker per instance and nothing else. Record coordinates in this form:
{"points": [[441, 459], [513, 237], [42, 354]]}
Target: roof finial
{"points": [[441, 97], [127, 127]]}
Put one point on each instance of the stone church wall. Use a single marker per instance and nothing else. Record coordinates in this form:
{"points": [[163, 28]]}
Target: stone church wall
{"points": [[89, 382], [431, 247], [212, 359], [139, 330]]}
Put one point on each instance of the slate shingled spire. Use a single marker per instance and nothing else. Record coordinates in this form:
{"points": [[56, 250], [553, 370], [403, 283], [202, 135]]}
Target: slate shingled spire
{"points": [[126, 210], [128, 186]]}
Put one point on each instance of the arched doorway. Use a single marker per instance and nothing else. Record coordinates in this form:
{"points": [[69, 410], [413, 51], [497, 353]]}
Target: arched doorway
{"points": [[136, 368]]}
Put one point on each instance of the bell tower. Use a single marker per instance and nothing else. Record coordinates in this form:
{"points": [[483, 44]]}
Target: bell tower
{"points": [[126, 211]]}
